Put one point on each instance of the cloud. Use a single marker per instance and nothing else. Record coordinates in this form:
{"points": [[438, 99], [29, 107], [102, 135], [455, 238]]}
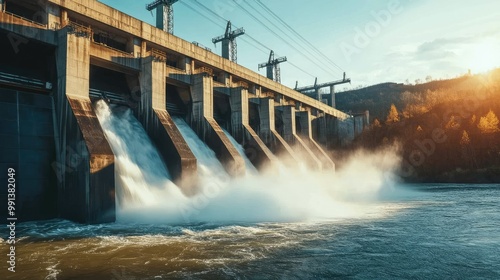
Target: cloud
{"points": [[441, 48]]}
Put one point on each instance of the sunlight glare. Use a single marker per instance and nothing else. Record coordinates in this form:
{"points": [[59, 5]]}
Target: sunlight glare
{"points": [[484, 56]]}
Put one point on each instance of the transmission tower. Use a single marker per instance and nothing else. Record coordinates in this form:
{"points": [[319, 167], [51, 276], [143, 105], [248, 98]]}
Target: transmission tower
{"points": [[273, 67], [316, 87], [164, 14], [229, 46]]}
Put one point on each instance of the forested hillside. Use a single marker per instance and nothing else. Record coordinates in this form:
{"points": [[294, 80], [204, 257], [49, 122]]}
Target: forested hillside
{"points": [[445, 130]]}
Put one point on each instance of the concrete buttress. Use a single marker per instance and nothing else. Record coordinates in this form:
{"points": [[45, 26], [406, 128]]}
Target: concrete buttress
{"points": [[160, 127], [85, 159], [256, 150], [290, 136], [270, 136], [306, 134], [203, 123]]}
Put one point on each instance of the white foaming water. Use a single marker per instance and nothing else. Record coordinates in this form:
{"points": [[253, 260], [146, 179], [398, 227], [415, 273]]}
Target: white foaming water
{"points": [[209, 167], [141, 176], [248, 164], [295, 195]]}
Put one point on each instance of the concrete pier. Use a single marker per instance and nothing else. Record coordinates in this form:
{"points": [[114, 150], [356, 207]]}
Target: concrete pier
{"points": [[306, 135], [86, 189], [270, 136], [256, 150], [203, 123], [290, 136], [155, 119]]}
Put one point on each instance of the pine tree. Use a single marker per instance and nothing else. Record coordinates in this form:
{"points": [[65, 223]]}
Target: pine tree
{"points": [[465, 139], [393, 116], [489, 123]]}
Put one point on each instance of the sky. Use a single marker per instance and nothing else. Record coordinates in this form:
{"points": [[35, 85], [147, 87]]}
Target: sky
{"points": [[373, 41]]}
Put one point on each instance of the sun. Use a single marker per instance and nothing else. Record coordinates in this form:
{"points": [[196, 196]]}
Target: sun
{"points": [[484, 56]]}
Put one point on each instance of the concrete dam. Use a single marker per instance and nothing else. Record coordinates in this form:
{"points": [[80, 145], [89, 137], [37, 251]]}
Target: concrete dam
{"points": [[60, 57]]}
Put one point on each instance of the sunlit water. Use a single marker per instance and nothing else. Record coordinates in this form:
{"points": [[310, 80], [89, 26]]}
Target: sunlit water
{"points": [[358, 223]]}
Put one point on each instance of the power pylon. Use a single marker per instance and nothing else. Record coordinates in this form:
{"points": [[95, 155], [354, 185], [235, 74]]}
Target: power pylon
{"points": [[164, 14], [316, 87], [273, 67], [229, 46]]}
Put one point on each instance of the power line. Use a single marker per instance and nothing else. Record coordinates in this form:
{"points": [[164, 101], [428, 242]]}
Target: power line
{"points": [[218, 24], [203, 15], [259, 2], [279, 36], [226, 20], [260, 46], [306, 49]]}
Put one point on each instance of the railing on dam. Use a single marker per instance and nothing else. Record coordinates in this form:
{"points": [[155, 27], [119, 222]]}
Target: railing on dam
{"points": [[79, 30], [15, 80], [175, 70], [25, 19]]}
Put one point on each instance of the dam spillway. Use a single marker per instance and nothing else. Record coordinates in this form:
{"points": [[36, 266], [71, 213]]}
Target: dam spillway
{"points": [[55, 66]]}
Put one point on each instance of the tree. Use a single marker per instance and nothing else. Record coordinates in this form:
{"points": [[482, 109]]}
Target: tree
{"points": [[376, 123], [473, 119], [453, 123], [393, 116], [428, 78], [467, 150], [489, 123], [465, 139]]}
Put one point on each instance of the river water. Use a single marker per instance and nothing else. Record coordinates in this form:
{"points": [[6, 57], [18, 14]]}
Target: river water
{"points": [[431, 232], [357, 223]]}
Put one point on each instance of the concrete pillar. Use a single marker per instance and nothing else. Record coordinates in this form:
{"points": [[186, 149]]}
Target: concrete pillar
{"points": [[134, 46], [87, 189], [143, 48], [160, 17], [204, 124], [345, 131], [270, 136], [239, 113], [266, 115], [332, 97], [289, 127], [2, 5], [64, 17], [160, 127], [255, 149], [306, 134], [227, 79], [290, 136], [305, 124], [367, 118], [328, 131], [186, 64], [226, 46], [53, 16], [269, 72]]}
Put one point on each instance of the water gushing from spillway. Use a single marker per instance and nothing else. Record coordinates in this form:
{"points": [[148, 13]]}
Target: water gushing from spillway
{"points": [[146, 193], [250, 169], [140, 174]]}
